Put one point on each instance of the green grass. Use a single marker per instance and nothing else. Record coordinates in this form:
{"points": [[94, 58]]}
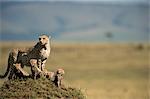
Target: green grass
{"points": [[101, 71]]}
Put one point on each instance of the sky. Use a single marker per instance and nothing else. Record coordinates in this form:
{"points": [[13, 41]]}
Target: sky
{"points": [[83, 21], [140, 1]]}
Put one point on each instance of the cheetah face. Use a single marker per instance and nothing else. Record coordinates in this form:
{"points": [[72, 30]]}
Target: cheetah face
{"points": [[43, 39], [60, 71]]}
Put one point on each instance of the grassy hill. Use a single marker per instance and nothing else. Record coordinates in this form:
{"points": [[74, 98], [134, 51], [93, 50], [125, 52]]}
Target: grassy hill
{"points": [[35, 89]]}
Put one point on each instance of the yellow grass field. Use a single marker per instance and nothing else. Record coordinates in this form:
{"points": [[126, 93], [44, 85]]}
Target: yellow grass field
{"points": [[101, 71]]}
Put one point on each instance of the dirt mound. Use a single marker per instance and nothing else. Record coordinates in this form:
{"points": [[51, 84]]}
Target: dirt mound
{"points": [[41, 88]]}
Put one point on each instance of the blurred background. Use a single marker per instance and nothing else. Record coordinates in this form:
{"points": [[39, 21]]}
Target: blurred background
{"points": [[121, 20], [102, 44]]}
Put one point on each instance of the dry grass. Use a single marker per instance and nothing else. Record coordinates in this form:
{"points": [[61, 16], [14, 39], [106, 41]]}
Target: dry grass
{"points": [[102, 71], [37, 89]]}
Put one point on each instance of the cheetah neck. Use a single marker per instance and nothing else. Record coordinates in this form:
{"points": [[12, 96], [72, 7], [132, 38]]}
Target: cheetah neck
{"points": [[48, 48]]}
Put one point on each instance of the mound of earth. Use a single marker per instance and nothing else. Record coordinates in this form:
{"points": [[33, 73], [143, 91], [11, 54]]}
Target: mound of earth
{"points": [[41, 88]]}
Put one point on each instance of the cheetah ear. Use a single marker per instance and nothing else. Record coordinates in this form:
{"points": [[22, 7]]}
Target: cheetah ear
{"points": [[49, 36], [40, 34]]}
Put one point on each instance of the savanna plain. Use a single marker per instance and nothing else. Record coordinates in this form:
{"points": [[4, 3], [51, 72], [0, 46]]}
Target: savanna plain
{"points": [[100, 70]]}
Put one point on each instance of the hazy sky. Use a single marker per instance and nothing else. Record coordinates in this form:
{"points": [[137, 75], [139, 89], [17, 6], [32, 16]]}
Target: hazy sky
{"points": [[86, 0], [85, 21]]}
